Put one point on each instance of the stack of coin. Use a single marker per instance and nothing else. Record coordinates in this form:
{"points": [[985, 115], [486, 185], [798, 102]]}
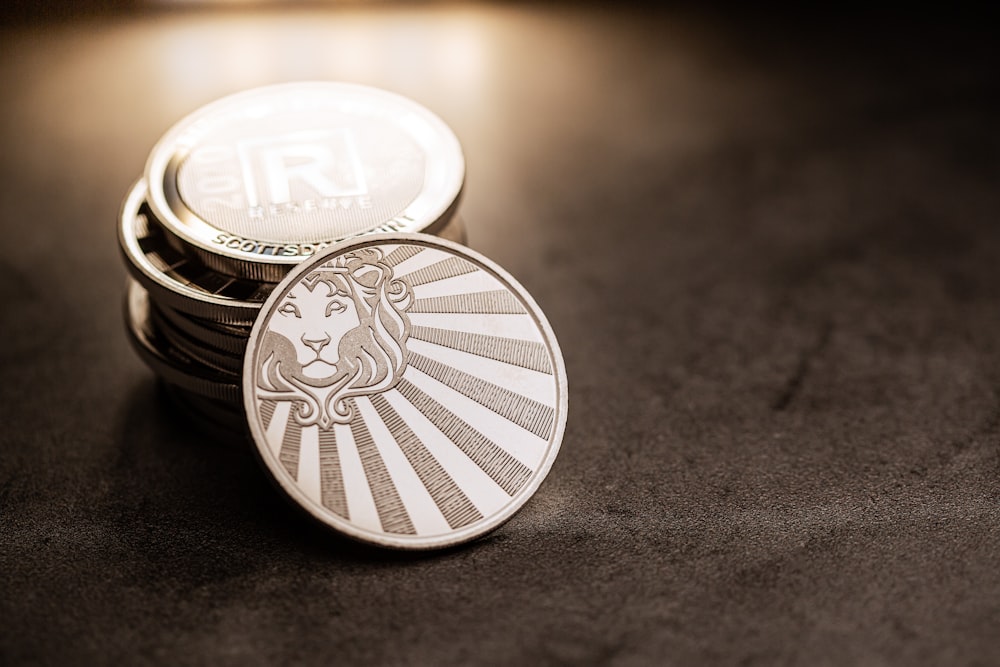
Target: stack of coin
{"points": [[239, 192]]}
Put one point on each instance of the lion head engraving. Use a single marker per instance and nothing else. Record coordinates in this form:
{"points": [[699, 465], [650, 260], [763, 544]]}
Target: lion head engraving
{"points": [[339, 332]]}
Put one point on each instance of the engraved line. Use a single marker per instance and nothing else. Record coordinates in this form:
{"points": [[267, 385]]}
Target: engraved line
{"points": [[290, 444], [509, 473], [497, 302], [213, 282], [276, 429], [267, 412], [391, 511], [224, 286], [166, 259], [331, 479], [456, 507], [141, 226], [159, 262], [527, 413], [401, 254], [524, 353], [446, 268], [188, 283]]}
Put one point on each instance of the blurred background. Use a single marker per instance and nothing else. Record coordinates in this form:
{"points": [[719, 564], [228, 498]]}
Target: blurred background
{"points": [[767, 241]]}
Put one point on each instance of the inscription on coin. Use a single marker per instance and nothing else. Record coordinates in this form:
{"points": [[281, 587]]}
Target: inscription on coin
{"points": [[254, 182], [405, 391]]}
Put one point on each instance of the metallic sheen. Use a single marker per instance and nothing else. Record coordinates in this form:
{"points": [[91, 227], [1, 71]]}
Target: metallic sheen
{"points": [[168, 362], [257, 181], [405, 391], [175, 280]]}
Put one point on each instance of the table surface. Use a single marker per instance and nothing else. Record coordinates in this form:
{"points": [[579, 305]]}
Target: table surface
{"points": [[771, 254]]}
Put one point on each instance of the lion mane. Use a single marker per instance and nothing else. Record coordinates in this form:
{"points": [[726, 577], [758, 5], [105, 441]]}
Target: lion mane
{"points": [[372, 356]]}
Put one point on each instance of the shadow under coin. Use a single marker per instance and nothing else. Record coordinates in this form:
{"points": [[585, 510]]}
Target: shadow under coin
{"points": [[192, 509]]}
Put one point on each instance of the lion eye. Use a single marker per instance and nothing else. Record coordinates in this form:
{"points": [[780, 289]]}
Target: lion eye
{"points": [[335, 306], [290, 309]]}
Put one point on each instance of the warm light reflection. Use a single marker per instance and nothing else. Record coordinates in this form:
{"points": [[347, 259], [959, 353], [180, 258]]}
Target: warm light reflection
{"points": [[251, 3], [444, 54]]}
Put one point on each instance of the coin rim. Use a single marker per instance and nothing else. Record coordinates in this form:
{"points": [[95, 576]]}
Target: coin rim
{"points": [[199, 351], [166, 289], [214, 335], [192, 376], [169, 151], [324, 516]]}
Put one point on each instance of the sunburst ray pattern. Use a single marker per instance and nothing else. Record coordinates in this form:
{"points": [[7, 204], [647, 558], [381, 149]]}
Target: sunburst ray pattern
{"points": [[451, 443]]}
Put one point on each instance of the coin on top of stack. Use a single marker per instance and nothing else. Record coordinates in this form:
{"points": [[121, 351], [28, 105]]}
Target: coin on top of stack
{"points": [[256, 181], [237, 193]]}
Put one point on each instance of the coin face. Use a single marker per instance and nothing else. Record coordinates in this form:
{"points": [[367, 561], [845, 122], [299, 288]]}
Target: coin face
{"points": [[405, 391], [258, 180]]}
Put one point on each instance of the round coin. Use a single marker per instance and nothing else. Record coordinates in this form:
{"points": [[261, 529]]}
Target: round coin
{"points": [[169, 363], [405, 391], [225, 338], [256, 181], [177, 281], [197, 350]]}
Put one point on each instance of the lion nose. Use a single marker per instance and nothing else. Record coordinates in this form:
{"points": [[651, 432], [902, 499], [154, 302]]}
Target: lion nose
{"points": [[316, 344]]}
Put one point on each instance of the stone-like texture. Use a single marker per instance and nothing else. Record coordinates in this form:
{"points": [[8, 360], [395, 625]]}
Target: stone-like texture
{"points": [[771, 252]]}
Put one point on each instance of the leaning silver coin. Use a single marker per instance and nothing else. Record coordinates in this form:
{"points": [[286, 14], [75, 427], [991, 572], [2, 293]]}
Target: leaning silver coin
{"points": [[405, 391], [257, 181]]}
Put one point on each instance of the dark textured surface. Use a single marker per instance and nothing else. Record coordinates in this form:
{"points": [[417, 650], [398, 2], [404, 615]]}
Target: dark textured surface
{"points": [[771, 252]]}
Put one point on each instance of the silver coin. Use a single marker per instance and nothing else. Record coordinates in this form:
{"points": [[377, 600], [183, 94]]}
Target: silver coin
{"points": [[225, 338], [177, 281], [256, 181], [168, 362], [405, 391], [225, 362]]}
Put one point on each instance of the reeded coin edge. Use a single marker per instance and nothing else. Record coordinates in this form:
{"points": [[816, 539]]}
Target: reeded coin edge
{"points": [[214, 358], [197, 232], [212, 336], [450, 226], [330, 520], [194, 378]]}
